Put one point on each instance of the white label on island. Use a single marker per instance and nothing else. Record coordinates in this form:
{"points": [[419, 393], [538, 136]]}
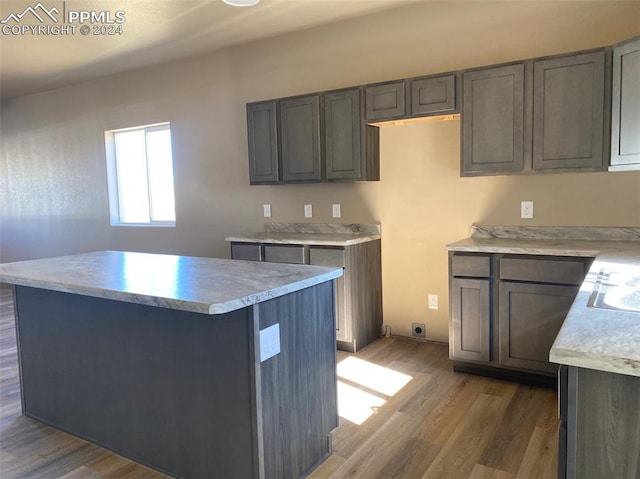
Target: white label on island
{"points": [[269, 342]]}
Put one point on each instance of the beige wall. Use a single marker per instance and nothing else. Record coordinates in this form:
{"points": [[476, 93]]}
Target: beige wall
{"points": [[53, 196]]}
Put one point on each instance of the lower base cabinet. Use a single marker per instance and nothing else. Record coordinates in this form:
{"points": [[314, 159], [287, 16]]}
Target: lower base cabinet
{"points": [[531, 315], [358, 293], [599, 433], [506, 311]]}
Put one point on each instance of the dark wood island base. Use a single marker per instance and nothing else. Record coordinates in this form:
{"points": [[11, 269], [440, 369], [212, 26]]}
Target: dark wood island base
{"points": [[182, 392]]}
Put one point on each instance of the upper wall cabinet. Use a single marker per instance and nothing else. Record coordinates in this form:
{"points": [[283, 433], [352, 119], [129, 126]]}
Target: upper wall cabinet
{"points": [[433, 95], [539, 116], [385, 101], [493, 120], [625, 107], [342, 123], [263, 143], [300, 136], [312, 138], [568, 113]]}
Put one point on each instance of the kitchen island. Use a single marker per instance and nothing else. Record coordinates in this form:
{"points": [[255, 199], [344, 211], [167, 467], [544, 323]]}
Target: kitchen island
{"points": [[195, 367]]}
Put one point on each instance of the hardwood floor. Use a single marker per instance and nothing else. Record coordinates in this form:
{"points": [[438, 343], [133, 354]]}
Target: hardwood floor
{"points": [[410, 416]]}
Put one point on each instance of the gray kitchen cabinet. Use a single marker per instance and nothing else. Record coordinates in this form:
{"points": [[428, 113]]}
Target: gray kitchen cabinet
{"points": [[343, 135], [601, 422], [625, 107], [351, 147], [530, 317], [507, 309], [433, 95], [358, 292], [568, 113], [385, 101], [493, 128], [320, 137], [470, 307], [470, 319], [300, 138], [323, 256], [262, 128]]}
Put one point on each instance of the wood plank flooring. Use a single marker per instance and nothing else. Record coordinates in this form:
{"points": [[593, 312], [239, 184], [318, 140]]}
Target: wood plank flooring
{"points": [[433, 424]]}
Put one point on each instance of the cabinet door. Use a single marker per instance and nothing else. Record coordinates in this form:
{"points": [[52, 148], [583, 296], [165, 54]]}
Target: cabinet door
{"points": [[300, 134], [263, 143], [385, 101], [568, 113], [433, 95], [493, 120], [625, 107], [470, 319], [342, 124], [334, 257], [530, 316]]}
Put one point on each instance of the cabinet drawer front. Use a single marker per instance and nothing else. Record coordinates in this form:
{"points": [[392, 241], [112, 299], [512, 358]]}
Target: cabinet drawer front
{"points": [[246, 251], [543, 270], [473, 265], [327, 257], [284, 254]]}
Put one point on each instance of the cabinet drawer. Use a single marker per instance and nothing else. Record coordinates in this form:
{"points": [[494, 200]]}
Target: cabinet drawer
{"points": [[327, 257], [473, 265], [246, 251], [548, 270], [284, 253]]}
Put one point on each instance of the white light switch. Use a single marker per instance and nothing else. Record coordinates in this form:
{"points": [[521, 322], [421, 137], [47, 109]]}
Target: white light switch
{"points": [[269, 342], [308, 211], [267, 211], [336, 210], [526, 209]]}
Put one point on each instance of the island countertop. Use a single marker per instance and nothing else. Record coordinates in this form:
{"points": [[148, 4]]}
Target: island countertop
{"points": [[201, 285], [601, 338]]}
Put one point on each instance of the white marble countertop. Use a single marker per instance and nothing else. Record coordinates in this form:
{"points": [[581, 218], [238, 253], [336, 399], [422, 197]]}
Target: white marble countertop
{"points": [[201, 285], [590, 337], [320, 239]]}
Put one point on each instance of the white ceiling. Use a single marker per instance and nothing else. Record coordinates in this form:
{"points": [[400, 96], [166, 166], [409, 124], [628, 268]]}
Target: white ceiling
{"points": [[154, 31]]}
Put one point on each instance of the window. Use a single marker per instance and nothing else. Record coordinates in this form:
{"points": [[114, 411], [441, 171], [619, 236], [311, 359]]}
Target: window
{"points": [[140, 174]]}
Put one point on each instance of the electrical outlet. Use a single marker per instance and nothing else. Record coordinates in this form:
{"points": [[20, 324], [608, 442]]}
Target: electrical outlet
{"points": [[526, 209], [418, 330], [308, 211], [266, 209], [336, 211], [433, 301]]}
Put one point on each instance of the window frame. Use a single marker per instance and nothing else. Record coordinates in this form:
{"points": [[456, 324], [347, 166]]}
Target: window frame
{"points": [[114, 192]]}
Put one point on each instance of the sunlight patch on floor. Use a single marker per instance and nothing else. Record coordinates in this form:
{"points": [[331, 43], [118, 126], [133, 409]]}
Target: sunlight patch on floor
{"points": [[378, 385]]}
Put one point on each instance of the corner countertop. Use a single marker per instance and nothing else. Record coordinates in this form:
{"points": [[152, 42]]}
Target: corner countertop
{"points": [[312, 234], [201, 285], [590, 337]]}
